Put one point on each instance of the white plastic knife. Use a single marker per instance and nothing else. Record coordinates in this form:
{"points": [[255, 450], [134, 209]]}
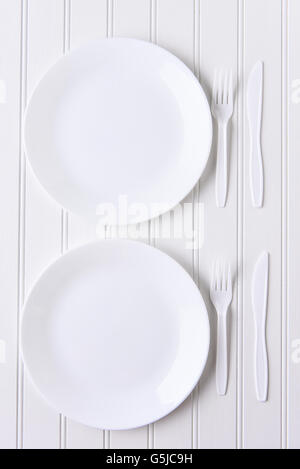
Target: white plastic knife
{"points": [[259, 303], [254, 108]]}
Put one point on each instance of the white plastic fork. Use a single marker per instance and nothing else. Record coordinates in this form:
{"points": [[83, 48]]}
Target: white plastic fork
{"points": [[222, 108], [221, 296]]}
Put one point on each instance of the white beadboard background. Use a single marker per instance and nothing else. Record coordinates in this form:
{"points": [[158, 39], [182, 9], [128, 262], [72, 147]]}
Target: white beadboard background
{"points": [[34, 230]]}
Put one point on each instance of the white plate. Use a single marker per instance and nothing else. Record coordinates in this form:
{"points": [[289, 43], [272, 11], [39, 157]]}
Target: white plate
{"points": [[115, 334], [118, 117]]}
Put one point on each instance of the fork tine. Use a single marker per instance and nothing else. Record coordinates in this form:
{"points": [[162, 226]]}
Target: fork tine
{"points": [[215, 276], [225, 81], [218, 276], [230, 93], [226, 87], [222, 90], [219, 93], [223, 278], [214, 93], [212, 277], [229, 285]]}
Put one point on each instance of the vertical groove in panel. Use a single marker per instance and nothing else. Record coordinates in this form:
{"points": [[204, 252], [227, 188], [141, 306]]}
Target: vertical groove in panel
{"points": [[64, 214], [292, 226], [263, 228], [106, 439], [110, 18], [195, 220], [217, 415], [153, 21], [240, 217], [154, 225], [88, 23], [284, 110], [21, 234], [197, 62], [107, 235], [150, 436], [110, 7]]}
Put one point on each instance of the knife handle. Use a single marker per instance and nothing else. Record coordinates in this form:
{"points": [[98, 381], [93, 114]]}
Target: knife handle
{"points": [[256, 174], [261, 363], [221, 171]]}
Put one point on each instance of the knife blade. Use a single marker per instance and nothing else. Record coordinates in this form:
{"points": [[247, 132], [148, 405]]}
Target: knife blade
{"points": [[254, 108], [260, 282]]}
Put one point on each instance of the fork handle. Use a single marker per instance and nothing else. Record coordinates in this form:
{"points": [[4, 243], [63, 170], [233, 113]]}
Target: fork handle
{"points": [[221, 174], [222, 367]]}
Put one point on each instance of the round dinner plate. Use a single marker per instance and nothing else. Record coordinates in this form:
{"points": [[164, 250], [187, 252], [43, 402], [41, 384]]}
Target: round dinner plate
{"points": [[115, 334], [118, 117]]}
